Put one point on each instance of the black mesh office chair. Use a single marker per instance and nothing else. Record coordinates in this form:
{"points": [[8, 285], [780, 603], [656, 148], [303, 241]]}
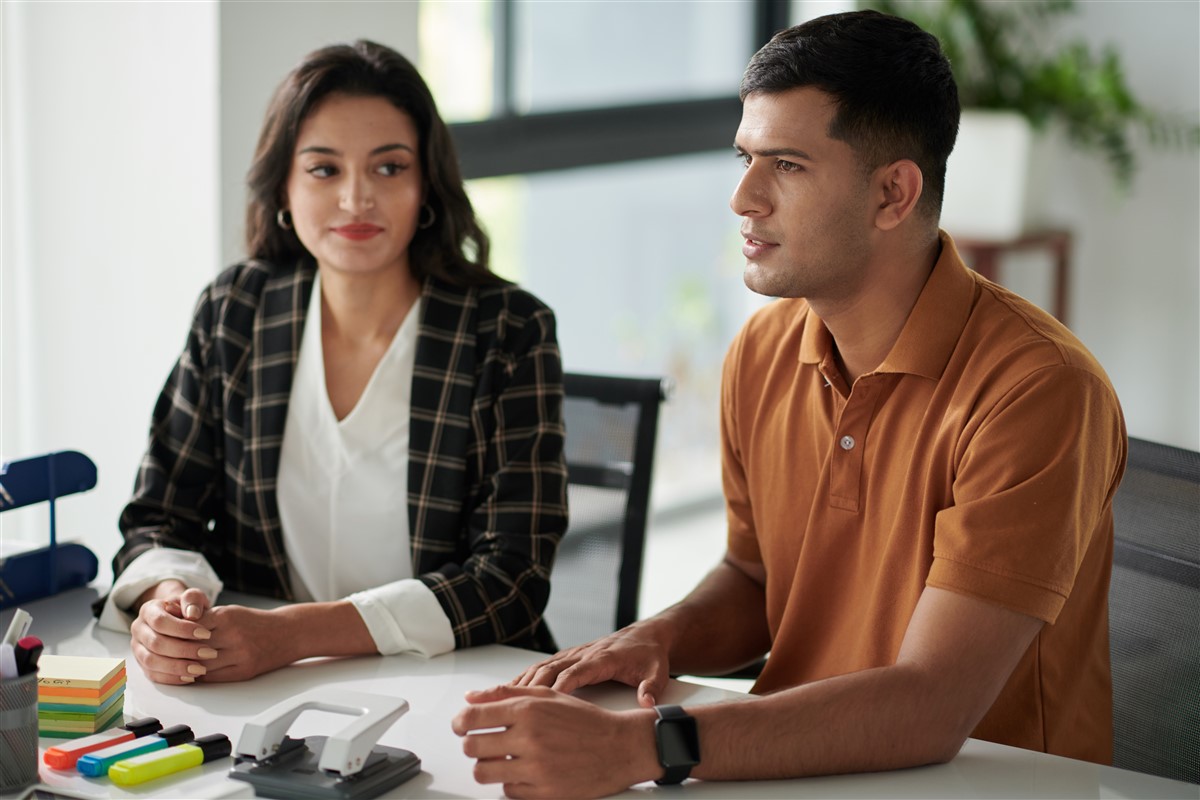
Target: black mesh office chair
{"points": [[1154, 613], [612, 424]]}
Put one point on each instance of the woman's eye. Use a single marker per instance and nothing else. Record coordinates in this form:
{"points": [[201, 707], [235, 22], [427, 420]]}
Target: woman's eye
{"points": [[391, 168], [321, 171]]}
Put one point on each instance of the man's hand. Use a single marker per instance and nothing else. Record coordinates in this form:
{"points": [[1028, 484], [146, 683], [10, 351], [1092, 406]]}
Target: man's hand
{"points": [[169, 640], [554, 745], [637, 656]]}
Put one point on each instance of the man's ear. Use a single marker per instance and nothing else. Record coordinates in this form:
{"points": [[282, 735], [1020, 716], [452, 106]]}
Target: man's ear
{"points": [[899, 185]]}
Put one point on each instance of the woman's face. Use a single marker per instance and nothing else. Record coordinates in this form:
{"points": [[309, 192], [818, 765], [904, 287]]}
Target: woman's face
{"points": [[355, 187]]}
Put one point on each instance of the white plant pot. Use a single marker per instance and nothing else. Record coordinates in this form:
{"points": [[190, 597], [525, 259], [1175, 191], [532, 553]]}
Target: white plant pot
{"points": [[987, 176]]}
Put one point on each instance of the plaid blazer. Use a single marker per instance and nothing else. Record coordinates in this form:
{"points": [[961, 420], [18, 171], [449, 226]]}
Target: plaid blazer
{"points": [[486, 477]]}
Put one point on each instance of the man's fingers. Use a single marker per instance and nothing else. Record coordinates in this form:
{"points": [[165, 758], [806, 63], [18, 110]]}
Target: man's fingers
{"points": [[498, 770], [650, 689], [485, 745], [548, 669], [476, 716], [518, 791], [546, 673], [486, 708], [584, 673], [493, 693]]}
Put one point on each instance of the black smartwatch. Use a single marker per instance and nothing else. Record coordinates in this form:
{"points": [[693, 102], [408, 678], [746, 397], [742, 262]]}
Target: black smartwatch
{"points": [[678, 743]]}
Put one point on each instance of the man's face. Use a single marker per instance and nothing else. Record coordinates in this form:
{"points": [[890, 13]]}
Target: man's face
{"points": [[804, 202]]}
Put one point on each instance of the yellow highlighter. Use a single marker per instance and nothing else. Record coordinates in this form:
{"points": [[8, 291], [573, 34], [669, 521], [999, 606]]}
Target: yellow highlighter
{"points": [[140, 769]]}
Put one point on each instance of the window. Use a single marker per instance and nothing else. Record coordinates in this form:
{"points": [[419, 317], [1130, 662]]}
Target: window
{"points": [[597, 140], [587, 55]]}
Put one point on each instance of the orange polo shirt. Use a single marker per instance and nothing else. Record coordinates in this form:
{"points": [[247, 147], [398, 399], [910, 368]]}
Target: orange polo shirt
{"points": [[980, 457]]}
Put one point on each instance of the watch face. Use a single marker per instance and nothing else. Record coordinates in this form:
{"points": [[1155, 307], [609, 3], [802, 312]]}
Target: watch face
{"points": [[678, 742]]}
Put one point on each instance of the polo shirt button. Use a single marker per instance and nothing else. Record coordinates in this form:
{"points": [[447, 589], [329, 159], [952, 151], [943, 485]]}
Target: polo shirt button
{"points": [[847, 442]]}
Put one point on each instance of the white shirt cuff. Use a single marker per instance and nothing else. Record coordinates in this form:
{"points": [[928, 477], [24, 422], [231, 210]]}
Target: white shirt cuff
{"points": [[150, 568], [405, 617]]}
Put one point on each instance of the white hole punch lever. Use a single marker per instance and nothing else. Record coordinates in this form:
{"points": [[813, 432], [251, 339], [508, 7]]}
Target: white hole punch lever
{"points": [[345, 751]]}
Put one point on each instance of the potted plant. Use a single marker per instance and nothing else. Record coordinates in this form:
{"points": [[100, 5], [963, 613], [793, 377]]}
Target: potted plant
{"points": [[1013, 79]]}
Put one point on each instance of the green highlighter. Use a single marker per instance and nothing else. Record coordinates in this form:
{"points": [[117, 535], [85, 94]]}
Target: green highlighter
{"points": [[140, 769]]}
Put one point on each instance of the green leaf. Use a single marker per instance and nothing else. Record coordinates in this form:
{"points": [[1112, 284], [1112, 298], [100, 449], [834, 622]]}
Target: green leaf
{"points": [[1002, 57]]}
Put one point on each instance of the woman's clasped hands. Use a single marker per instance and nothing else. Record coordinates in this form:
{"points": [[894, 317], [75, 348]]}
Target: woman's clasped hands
{"points": [[179, 637]]}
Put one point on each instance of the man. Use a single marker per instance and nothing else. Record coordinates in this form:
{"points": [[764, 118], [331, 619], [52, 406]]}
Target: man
{"points": [[918, 468]]}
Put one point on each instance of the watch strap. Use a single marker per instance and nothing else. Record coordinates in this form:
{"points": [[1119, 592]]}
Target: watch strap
{"points": [[674, 716]]}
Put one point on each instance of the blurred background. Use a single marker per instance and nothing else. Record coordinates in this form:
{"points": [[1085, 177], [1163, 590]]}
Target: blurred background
{"points": [[596, 136]]}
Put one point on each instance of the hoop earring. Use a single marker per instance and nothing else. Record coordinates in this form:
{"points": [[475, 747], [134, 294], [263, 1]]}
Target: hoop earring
{"points": [[283, 218], [423, 223]]}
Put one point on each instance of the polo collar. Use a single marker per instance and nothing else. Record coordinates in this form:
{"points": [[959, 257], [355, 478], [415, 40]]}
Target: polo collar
{"points": [[932, 330]]}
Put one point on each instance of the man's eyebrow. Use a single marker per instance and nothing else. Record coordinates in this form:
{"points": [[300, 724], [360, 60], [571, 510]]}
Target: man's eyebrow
{"points": [[790, 152], [329, 151]]}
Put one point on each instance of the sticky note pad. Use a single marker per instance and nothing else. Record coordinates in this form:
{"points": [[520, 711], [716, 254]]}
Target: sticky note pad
{"points": [[76, 672], [67, 726]]}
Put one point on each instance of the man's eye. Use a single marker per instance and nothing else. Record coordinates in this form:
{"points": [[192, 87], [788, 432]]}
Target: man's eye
{"points": [[787, 166], [744, 158], [321, 171]]}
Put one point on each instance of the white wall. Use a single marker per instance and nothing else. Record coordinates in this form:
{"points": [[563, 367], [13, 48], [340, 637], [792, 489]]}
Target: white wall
{"points": [[109, 230], [1136, 298]]}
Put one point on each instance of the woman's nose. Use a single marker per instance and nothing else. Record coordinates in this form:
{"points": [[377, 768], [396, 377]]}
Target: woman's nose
{"points": [[357, 195]]}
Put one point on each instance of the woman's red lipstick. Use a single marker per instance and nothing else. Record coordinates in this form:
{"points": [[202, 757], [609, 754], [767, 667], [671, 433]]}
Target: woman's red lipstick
{"points": [[358, 231]]}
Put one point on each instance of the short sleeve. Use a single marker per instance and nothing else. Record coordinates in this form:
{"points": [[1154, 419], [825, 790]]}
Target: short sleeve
{"points": [[742, 539], [1032, 492]]}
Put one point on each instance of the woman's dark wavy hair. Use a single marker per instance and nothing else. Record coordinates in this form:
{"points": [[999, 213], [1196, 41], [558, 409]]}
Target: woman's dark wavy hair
{"points": [[454, 249], [896, 96]]}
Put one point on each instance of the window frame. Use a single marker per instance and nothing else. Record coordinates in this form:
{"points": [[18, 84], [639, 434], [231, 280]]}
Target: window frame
{"points": [[510, 143]]}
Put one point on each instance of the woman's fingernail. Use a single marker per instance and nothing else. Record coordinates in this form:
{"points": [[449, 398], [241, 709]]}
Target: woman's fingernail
{"points": [[187, 679], [206, 652], [202, 633], [196, 669], [192, 611]]}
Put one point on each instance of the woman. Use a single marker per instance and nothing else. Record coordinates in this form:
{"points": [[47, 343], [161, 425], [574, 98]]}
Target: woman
{"points": [[364, 420]]}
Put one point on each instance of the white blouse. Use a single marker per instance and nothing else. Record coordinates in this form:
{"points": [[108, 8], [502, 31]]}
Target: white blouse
{"points": [[342, 491]]}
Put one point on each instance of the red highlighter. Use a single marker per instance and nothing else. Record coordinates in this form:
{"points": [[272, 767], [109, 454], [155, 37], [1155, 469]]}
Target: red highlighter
{"points": [[64, 756]]}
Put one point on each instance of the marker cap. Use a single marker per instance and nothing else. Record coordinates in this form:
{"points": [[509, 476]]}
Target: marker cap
{"points": [[214, 746], [143, 726], [27, 652], [176, 734]]}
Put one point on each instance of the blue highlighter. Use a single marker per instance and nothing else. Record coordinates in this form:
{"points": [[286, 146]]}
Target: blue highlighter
{"points": [[96, 763]]}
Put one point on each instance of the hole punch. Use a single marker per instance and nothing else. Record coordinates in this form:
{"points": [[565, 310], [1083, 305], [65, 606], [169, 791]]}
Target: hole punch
{"points": [[347, 765]]}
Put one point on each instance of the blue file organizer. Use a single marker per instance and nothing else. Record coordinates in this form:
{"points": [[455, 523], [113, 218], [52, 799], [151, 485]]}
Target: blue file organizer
{"points": [[48, 570]]}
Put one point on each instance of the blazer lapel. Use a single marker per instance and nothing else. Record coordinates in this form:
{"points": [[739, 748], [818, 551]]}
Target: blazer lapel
{"points": [[278, 330], [440, 425]]}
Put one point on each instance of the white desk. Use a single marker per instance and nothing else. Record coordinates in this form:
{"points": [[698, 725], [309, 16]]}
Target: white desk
{"points": [[434, 690]]}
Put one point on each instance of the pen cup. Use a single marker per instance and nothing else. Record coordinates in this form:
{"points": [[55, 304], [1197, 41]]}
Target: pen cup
{"points": [[18, 732]]}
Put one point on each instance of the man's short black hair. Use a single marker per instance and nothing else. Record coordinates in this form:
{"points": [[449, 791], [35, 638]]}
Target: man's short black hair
{"points": [[895, 94]]}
